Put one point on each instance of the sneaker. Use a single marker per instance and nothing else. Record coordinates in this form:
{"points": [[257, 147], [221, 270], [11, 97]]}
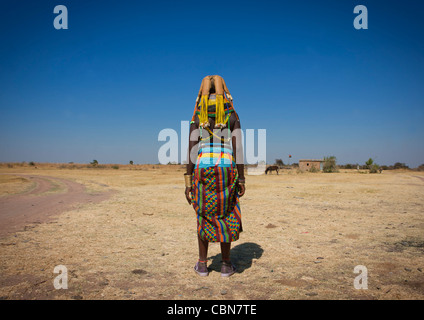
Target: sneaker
{"points": [[227, 269], [201, 269]]}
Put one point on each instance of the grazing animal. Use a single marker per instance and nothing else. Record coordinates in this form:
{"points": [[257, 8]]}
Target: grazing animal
{"points": [[271, 168]]}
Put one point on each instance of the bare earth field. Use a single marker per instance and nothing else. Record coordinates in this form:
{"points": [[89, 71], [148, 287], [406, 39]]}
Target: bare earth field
{"points": [[130, 234]]}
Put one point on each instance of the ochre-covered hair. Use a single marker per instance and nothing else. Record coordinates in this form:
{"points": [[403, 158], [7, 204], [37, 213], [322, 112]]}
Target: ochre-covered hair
{"points": [[208, 83]]}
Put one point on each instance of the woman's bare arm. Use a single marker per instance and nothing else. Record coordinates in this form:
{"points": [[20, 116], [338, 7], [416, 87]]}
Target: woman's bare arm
{"points": [[193, 140], [192, 152], [236, 139]]}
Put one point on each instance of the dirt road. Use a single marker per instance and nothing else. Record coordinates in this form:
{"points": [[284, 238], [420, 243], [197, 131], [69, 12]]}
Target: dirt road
{"points": [[50, 196]]}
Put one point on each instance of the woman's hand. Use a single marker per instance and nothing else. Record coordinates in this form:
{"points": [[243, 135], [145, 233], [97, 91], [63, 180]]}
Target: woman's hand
{"points": [[241, 190], [187, 194]]}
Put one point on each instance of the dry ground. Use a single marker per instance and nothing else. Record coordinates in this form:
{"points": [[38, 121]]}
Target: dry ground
{"points": [[303, 235]]}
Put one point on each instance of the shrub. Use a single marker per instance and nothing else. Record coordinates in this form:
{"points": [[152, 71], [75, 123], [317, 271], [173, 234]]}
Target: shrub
{"points": [[374, 168], [313, 169], [31, 163], [279, 162], [329, 164], [94, 163], [115, 167]]}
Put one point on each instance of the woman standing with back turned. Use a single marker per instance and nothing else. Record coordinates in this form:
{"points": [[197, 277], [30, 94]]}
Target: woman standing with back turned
{"points": [[215, 172]]}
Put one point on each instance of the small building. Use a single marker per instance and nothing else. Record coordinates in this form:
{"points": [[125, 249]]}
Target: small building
{"points": [[307, 164]]}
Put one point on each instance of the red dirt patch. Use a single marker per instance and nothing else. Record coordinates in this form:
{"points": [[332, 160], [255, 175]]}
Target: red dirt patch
{"points": [[37, 206]]}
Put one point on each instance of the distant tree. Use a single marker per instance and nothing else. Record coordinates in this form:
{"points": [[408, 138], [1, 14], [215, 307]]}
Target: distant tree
{"points": [[31, 163], [349, 166], [279, 162], [131, 162], [369, 163], [94, 163], [400, 165], [329, 164], [421, 167], [372, 167]]}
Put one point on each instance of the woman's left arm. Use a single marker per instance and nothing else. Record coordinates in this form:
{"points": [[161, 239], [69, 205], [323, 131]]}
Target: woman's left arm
{"points": [[236, 141]]}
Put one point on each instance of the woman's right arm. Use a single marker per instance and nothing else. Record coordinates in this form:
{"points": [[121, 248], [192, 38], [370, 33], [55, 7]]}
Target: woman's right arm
{"points": [[192, 142], [191, 157]]}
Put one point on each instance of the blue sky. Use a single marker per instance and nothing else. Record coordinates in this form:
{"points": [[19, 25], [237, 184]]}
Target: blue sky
{"points": [[124, 70]]}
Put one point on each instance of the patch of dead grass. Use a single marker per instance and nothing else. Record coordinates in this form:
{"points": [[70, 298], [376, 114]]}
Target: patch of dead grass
{"points": [[11, 184]]}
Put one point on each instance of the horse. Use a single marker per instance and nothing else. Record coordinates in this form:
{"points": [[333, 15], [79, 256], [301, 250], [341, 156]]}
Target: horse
{"points": [[271, 168]]}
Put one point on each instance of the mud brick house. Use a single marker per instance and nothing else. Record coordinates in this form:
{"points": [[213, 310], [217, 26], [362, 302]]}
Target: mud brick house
{"points": [[307, 164]]}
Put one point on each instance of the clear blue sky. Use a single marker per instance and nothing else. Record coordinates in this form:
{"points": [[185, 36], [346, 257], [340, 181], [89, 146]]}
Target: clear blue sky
{"points": [[124, 70]]}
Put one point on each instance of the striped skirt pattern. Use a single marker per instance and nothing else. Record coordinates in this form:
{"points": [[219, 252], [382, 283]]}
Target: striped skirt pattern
{"points": [[214, 196]]}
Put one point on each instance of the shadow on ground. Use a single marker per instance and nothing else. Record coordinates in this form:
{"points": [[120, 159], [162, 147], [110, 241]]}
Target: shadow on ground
{"points": [[242, 256]]}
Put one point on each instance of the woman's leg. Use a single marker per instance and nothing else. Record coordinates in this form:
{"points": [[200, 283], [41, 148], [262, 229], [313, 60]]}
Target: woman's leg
{"points": [[203, 249], [201, 267], [225, 251], [227, 268]]}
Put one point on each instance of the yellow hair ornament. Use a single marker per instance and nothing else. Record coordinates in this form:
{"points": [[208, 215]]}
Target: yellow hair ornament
{"points": [[220, 113], [203, 116]]}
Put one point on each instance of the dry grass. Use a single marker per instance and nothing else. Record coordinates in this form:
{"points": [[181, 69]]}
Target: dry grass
{"points": [[303, 236], [11, 184]]}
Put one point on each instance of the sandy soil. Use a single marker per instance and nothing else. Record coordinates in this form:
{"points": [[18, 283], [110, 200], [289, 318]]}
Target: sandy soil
{"points": [[303, 236], [46, 197]]}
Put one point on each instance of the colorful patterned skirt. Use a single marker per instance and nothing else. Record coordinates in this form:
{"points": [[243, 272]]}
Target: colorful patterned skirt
{"points": [[214, 195]]}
